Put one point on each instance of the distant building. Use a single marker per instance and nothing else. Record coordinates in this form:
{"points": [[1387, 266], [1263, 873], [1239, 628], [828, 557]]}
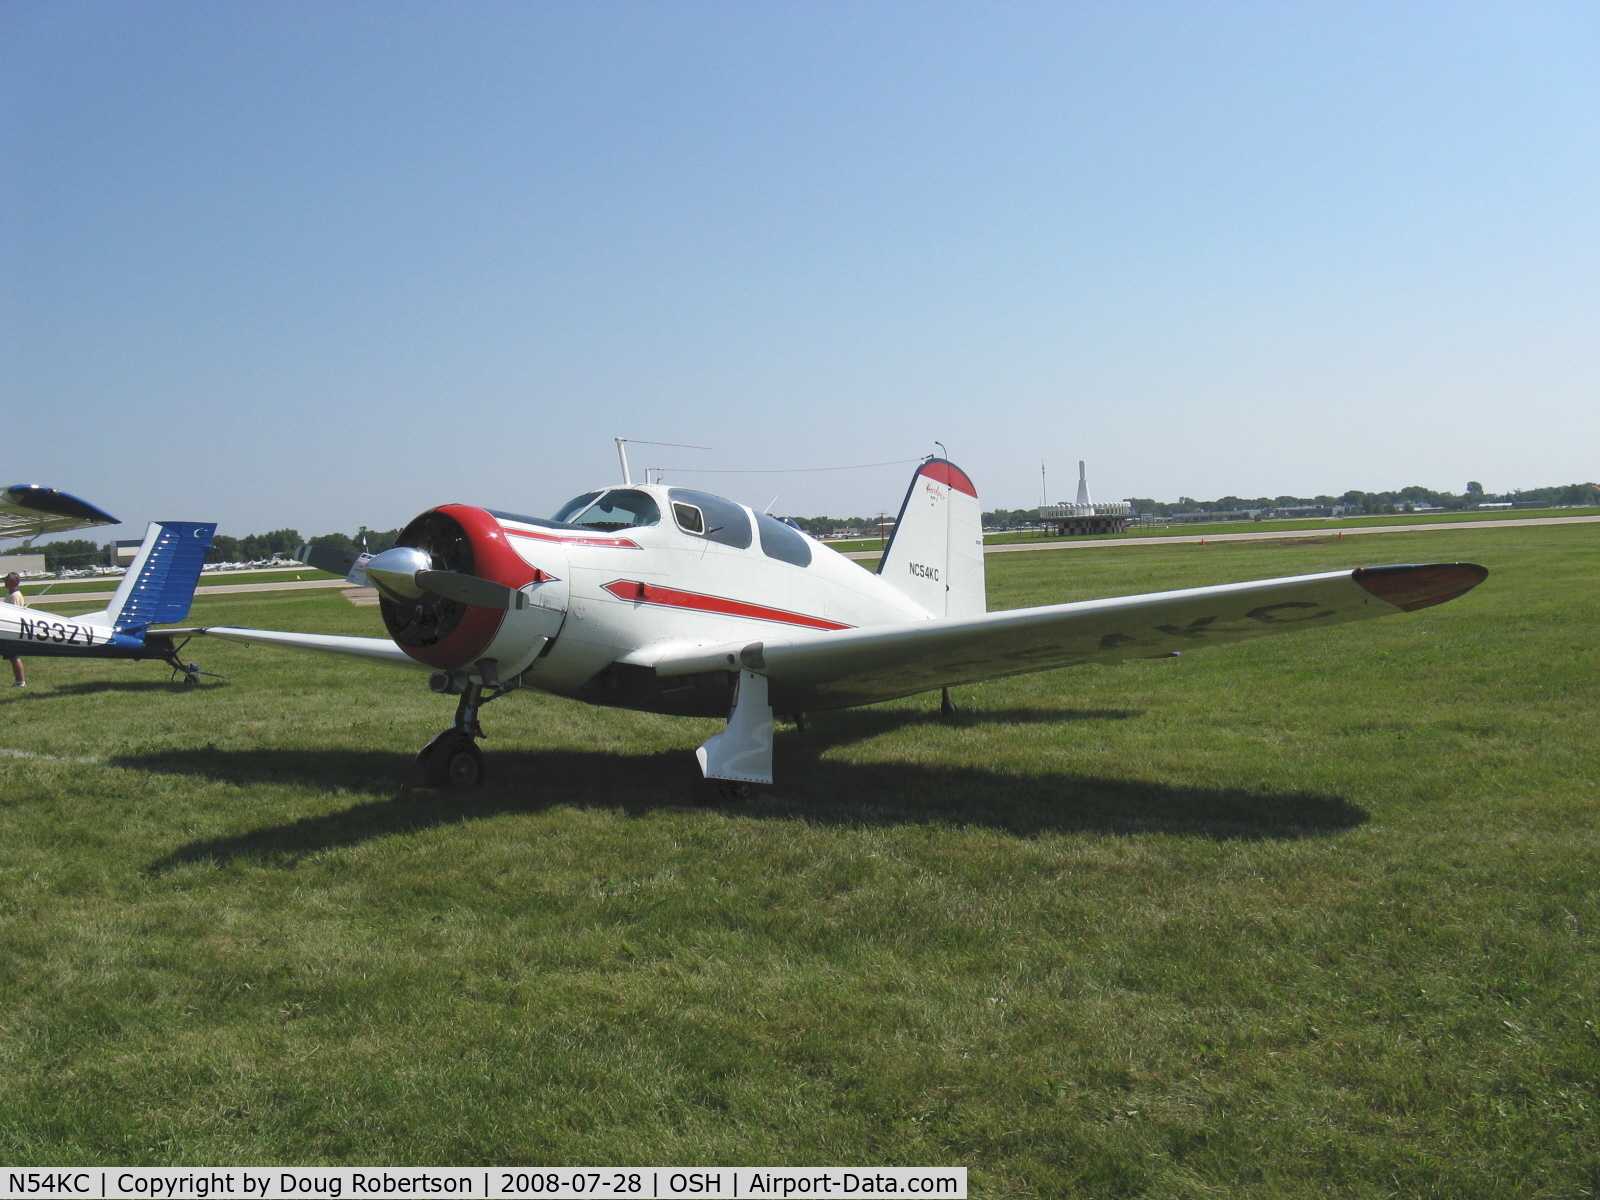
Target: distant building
{"points": [[1232, 514], [1084, 516], [123, 553], [1303, 510], [22, 564]]}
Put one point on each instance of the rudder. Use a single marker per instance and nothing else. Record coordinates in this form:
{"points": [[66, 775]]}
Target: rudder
{"points": [[935, 555], [159, 586]]}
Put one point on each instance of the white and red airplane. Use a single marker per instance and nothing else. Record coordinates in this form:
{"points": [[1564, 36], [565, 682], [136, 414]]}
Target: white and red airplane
{"points": [[670, 600]]}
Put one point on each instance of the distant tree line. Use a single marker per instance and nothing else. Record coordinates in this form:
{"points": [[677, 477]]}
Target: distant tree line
{"points": [[72, 554], [286, 543], [819, 527], [1407, 499], [77, 553]]}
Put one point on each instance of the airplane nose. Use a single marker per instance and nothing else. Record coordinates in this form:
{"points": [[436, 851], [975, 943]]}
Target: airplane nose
{"points": [[394, 572]]}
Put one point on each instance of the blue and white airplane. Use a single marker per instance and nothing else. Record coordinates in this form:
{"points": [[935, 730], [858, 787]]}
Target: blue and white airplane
{"points": [[30, 510], [158, 588]]}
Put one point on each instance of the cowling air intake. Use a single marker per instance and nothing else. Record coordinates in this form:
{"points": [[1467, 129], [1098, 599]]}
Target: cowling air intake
{"points": [[454, 591]]}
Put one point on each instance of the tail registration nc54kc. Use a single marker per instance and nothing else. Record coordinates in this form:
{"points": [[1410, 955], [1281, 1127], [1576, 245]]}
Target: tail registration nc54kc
{"points": [[675, 601]]}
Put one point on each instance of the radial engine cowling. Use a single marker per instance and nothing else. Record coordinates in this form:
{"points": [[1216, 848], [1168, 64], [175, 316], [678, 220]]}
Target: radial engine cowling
{"points": [[456, 636]]}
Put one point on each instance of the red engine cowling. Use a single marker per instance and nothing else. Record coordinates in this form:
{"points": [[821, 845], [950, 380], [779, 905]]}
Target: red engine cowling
{"points": [[455, 636]]}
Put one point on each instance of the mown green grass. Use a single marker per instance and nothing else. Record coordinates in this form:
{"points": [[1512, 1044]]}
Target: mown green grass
{"points": [[1329, 526], [1325, 525], [45, 591], [1310, 916]]}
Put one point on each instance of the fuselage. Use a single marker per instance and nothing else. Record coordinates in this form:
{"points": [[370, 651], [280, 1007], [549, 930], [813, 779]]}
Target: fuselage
{"points": [[33, 633], [623, 572]]}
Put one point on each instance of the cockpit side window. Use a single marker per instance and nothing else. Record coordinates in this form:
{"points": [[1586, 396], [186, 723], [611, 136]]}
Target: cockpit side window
{"points": [[617, 508], [723, 520], [690, 519], [782, 541]]}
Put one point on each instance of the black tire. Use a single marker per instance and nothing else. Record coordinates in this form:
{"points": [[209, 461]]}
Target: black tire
{"points": [[452, 760], [718, 792]]}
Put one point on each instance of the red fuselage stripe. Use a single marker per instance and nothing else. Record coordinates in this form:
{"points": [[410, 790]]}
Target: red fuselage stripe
{"points": [[649, 593], [573, 539]]}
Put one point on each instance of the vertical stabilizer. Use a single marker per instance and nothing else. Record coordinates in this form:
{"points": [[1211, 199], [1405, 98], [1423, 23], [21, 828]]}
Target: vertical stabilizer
{"points": [[1083, 485], [935, 555], [160, 582]]}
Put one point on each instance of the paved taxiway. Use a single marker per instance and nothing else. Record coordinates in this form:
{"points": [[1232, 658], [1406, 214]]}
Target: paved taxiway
{"points": [[1277, 535]]}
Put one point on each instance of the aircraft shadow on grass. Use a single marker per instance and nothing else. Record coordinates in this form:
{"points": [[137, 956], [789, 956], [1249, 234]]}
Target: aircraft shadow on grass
{"points": [[816, 789], [139, 686]]}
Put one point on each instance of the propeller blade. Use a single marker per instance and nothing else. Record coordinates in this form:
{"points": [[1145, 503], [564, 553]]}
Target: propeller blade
{"points": [[403, 573], [349, 563], [328, 558], [470, 589]]}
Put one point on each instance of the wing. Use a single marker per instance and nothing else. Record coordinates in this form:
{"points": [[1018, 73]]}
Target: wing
{"points": [[859, 666], [378, 649], [28, 510]]}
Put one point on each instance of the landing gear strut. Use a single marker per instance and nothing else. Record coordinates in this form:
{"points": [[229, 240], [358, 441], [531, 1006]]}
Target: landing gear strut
{"points": [[191, 672], [741, 755], [452, 759]]}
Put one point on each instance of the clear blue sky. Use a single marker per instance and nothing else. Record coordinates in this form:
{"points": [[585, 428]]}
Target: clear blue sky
{"points": [[319, 265]]}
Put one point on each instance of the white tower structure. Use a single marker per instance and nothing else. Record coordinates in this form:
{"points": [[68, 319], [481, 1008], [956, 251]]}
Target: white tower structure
{"points": [[1085, 516]]}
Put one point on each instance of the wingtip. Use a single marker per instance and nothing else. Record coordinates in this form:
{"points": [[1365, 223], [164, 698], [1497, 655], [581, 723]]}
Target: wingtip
{"points": [[1420, 585]]}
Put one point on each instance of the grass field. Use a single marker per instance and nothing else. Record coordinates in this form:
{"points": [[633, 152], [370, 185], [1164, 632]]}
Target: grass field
{"points": [[1325, 525], [1317, 525], [47, 593], [1309, 916]]}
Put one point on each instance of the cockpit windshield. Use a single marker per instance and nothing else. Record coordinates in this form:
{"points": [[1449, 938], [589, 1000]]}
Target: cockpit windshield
{"points": [[616, 508]]}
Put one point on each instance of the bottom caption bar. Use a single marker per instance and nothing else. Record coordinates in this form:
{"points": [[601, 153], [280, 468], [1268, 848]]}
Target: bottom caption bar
{"points": [[566, 1183]]}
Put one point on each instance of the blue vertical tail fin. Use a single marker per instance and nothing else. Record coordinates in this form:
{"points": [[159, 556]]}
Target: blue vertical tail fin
{"points": [[159, 585]]}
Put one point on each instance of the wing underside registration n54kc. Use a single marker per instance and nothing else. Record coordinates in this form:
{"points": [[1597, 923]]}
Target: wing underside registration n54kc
{"points": [[676, 601]]}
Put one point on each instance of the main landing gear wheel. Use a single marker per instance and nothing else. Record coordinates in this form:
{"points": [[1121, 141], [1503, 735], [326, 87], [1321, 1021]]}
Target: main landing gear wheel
{"points": [[452, 760], [722, 791]]}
